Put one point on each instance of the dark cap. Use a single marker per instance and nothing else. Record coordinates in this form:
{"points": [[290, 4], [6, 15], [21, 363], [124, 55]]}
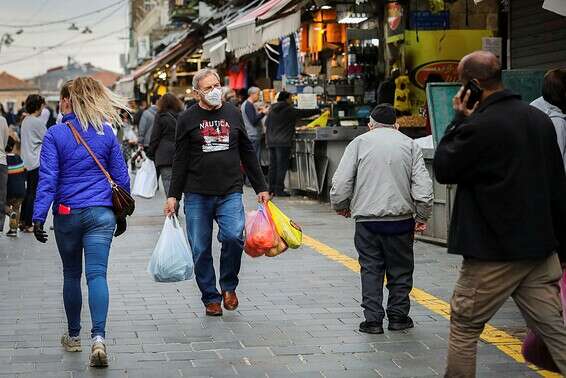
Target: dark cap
{"points": [[384, 113]]}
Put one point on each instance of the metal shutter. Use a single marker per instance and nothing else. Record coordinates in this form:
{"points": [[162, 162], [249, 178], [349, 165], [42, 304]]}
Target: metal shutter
{"points": [[538, 36]]}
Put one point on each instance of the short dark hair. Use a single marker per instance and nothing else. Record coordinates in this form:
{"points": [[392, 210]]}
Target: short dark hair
{"points": [[283, 96], [154, 99], [554, 88], [34, 103], [169, 103], [485, 69]]}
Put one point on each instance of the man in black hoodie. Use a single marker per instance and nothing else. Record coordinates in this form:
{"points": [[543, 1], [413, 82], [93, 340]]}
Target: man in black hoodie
{"points": [[509, 217], [280, 130]]}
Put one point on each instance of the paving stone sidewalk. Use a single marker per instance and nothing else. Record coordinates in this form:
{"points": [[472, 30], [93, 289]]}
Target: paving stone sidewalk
{"points": [[298, 314]]}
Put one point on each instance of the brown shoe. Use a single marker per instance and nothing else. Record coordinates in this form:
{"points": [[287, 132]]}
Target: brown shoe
{"points": [[213, 309], [230, 300]]}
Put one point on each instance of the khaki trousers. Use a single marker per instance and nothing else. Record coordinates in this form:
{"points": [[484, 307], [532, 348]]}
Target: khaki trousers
{"points": [[481, 290]]}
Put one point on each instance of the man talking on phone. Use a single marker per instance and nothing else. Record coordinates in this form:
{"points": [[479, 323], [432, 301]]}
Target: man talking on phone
{"points": [[509, 217]]}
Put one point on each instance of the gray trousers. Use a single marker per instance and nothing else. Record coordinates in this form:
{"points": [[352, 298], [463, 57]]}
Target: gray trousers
{"points": [[385, 255], [166, 173], [3, 193]]}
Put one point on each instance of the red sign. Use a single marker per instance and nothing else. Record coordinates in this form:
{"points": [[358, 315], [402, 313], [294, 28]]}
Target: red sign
{"points": [[445, 69]]}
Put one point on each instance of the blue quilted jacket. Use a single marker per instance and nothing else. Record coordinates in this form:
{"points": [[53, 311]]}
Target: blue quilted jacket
{"points": [[69, 176]]}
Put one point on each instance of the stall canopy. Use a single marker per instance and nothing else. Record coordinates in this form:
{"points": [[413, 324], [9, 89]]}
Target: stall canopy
{"points": [[271, 20], [182, 46], [214, 50]]}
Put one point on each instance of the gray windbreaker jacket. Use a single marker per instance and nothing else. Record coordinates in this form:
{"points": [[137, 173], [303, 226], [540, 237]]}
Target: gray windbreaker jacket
{"points": [[558, 118], [382, 177]]}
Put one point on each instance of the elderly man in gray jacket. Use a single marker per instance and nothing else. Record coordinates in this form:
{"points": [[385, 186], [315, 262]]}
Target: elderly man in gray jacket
{"points": [[383, 183]]}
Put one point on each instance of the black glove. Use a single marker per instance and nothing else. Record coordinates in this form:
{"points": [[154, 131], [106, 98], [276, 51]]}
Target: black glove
{"points": [[40, 235], [121, 226]]}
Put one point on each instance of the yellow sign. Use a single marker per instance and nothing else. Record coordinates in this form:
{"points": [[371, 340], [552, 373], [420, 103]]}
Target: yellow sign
{"points": [[437, 52]]}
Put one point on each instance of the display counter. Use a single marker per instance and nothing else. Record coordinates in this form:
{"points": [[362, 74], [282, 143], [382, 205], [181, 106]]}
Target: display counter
{"points": [[316, 156]]}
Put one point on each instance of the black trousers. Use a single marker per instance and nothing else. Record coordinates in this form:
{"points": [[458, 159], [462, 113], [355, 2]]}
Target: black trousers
{"points": [[31, 189], [278, 166], [385, 255]]}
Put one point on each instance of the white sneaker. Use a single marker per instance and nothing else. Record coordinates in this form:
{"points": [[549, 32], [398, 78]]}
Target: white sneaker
{"points": [[71, 344], [98, 356]]}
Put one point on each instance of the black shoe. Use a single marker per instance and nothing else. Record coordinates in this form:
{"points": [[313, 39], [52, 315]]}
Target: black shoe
{"points": [[12, 233], [375, 328], [400, 324]]}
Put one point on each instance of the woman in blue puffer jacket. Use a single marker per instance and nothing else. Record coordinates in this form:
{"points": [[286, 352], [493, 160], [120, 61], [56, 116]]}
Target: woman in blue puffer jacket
{"points": [[81, 196]]}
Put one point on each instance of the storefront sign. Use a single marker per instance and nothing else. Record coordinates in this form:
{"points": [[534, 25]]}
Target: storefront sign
{"points": [[437, 52], [444, 70], [427, 20], [306, 101], [395, 22]]}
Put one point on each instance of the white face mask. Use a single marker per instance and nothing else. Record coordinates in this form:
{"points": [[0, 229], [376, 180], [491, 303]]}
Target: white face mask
{"points": [[214, 97]]}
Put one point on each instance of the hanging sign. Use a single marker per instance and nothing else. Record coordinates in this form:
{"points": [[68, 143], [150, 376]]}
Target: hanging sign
{"points": [[395, 22]]}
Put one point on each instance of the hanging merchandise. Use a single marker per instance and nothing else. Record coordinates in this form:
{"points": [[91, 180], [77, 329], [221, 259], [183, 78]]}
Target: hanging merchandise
{"points": [[281, 67], [336, 33], [402, 92], [290, 56], [237, 76], [305, 39], [315, 37]]}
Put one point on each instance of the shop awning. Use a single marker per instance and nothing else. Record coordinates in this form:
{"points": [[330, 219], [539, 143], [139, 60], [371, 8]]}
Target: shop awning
{"points": [[214, 50], [174, 51], [244, 36]]}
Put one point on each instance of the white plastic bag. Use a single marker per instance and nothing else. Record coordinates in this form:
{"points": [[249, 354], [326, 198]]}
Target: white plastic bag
{"points": [[172, 259], [145, 184]]}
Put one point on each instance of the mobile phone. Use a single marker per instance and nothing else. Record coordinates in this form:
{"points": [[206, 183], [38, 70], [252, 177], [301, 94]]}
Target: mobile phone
{"points": [[475, 93]]}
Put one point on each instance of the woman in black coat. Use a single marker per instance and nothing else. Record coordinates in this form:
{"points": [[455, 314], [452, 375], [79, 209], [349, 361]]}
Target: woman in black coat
{"points": [[162, 143]]}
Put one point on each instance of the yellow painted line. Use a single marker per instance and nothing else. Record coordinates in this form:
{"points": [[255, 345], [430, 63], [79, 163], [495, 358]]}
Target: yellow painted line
{"points": [[508, 344]]}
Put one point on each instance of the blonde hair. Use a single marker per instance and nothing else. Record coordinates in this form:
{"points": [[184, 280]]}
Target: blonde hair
{"points": [[94, 104]]}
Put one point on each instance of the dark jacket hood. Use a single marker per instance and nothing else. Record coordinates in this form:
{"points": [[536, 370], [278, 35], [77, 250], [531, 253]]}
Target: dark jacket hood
{"points": [[279, 106]]}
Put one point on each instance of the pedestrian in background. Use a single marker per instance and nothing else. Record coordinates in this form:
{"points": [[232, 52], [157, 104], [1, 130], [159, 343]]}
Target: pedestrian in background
{"points": [[141, 107], [81, 196], [252, 119], [16, 188], [162, 145], [211, 141], [4, 133], [553, 104], [509, 214], [230, 96], [146, 123], [32, 132], [382, 182], [280, 132]]}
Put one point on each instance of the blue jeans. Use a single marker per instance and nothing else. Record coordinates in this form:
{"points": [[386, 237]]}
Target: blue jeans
{"points": [[228, 212], [91, 230]]}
